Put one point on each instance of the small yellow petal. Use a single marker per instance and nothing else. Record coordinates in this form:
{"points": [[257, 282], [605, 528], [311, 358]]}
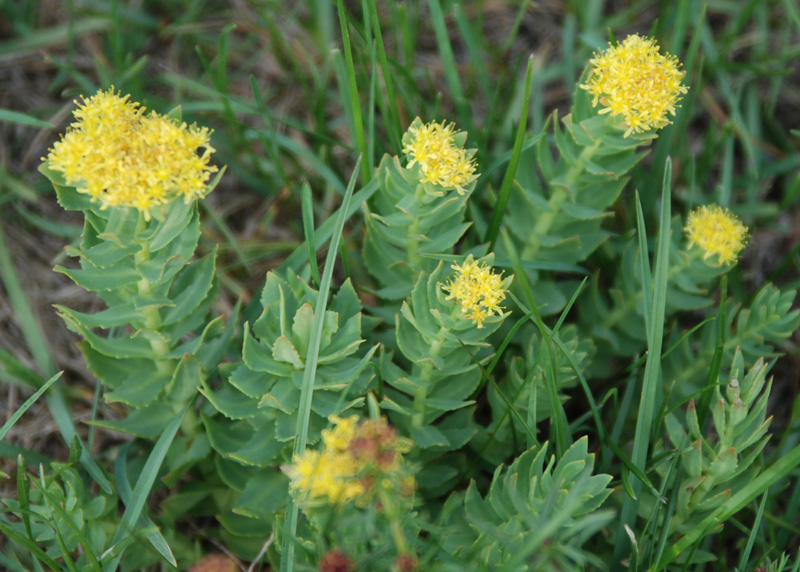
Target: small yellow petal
{"points": [[477, 289], [716, 231], [442, 162], [634, 80], [122, 157]]}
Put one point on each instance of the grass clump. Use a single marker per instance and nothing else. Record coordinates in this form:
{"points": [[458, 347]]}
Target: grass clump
{"points": [[554, 324]]}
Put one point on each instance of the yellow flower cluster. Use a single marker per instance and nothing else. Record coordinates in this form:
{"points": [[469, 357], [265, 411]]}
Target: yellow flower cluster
{"points": [[355, 459], [716, 231], [634, 80], [122, 157], [441, 159], [477, 289]]}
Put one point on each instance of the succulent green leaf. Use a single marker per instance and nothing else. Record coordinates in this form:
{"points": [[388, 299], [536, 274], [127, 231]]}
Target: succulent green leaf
{"points": [[261, 450], [95, 279], [258, 357], [145, 422], [283, 351], [428, 437], [263, 495], [140, 389], [174, 223], [284, 396], [232, 403], [190, 288]]}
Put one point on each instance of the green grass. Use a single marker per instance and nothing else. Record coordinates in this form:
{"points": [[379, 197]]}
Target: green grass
{"points": [[296, 95]]}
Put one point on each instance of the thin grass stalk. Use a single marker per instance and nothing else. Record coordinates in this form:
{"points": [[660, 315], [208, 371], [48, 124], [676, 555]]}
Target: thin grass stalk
{"points": [[559, 426], [394, 129], [310, 370], [779, 470], [508, 178], [355, 104], [644, 266], [144, 523], [35, 339], [25, 406], [298, 256], [751, 539], [704, 405], [371, 105], [475, 49], [308, 230], [449, 64], [23, 495], [144, 484], [651, 381]]}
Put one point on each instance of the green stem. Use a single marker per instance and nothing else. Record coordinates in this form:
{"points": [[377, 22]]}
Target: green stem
{"points": [[547, 218], [425, 376], [412, 244], [395, 526], [152, 315]]}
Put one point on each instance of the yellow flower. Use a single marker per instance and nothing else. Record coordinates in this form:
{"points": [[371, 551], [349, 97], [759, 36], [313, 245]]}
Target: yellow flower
{"points": [[329, 475], [355, 459], [338, 438], [716, 231], [478, 290], [437, 148], [122, 157], [634, 80]]}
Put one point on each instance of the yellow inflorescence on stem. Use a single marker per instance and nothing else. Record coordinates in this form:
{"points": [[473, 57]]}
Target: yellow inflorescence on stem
{"points": [[122, 157], [477, 289], [355, 459], [442, 161], [716, 231], [634, 80]]}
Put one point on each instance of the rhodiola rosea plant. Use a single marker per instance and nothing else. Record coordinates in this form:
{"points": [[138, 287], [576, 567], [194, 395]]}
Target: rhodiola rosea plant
{"points": [[538, 389]]}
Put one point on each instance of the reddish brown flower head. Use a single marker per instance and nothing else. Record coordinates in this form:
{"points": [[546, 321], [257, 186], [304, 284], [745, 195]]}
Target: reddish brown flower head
{"points": [[335, 561], [405, 563], [376, 443]]}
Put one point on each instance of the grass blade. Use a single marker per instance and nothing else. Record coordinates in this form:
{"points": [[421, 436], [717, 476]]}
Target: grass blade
{"points": [[449, 64], [355, 104], [644, 265], [36, 341], [28, 545], [751, 540], [559, 426], [394, 129], [309, 373], [308, 230], [144, 485], [321, 235], [652, 371], [8, 116], [779, 470], [508, 178], [24, 407]]}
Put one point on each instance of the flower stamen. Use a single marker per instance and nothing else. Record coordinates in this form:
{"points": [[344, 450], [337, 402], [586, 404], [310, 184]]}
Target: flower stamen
{"points": [[716, 231], [477, 289], [442, 161], [634, 80], [122, 157]]}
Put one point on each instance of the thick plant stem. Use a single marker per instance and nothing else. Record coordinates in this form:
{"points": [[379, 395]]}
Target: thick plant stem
{"points": [[546, 219], [412, 245], [426, 376], [151, 315]]}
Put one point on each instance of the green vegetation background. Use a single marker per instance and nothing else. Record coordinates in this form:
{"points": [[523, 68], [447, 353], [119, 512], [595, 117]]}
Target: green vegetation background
{"points": [[271, 78]]}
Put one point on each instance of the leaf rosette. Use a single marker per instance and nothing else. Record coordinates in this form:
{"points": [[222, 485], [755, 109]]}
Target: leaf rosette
{"points": [[262, 394]]}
